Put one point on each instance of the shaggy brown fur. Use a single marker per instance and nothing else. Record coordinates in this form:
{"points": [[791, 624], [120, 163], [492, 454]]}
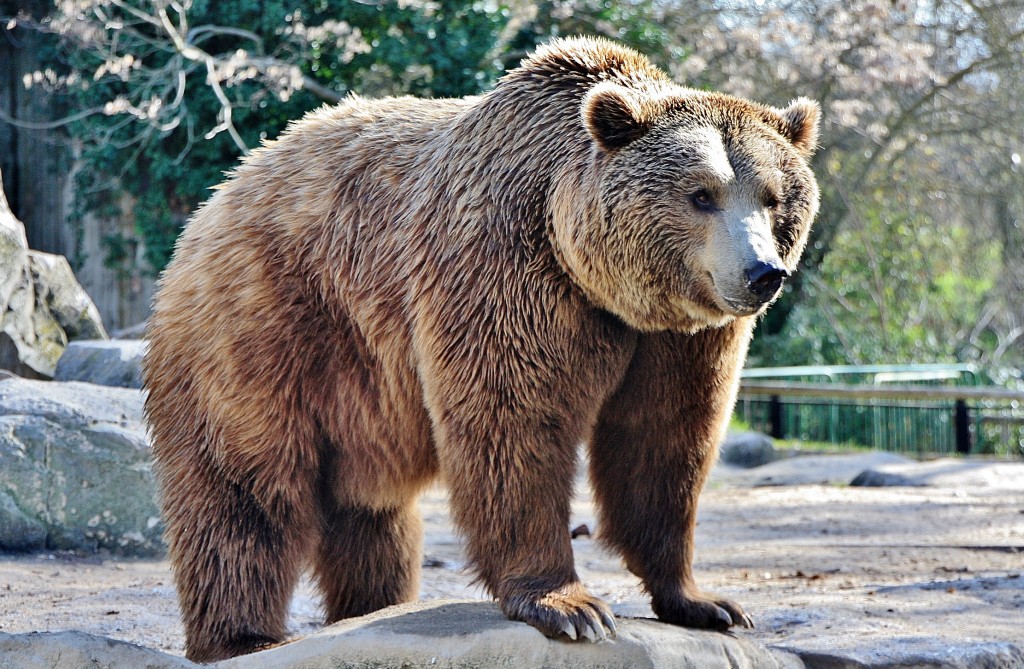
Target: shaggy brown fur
{"points": [[400, 289]]}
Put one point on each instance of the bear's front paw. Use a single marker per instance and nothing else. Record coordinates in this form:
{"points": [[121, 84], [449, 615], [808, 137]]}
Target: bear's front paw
{"points": [[569, 611], [701, 611]]}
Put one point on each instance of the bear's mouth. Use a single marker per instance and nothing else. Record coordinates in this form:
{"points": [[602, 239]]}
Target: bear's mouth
{"points": [[732, 305], [739, 308]]}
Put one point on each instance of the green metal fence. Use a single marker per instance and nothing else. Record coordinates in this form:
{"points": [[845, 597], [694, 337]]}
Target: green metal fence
{"points": [[914, 409]]}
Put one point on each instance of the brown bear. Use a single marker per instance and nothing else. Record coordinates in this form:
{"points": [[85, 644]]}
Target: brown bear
{"points": [[397, 290]]}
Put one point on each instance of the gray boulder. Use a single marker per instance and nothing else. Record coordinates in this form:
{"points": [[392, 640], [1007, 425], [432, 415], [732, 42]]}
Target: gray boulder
{"points": [[42, 306], [747, 449], [105, 362], [946, 473], [58, 294], [878, 478], [75, 461]]}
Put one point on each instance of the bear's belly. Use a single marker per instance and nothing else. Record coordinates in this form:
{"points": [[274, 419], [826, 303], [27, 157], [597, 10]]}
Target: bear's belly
{"points": [[379, 452]]}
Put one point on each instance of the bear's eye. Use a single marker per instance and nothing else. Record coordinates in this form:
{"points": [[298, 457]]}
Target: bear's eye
{"points": [[703, 201], [771, 201]]}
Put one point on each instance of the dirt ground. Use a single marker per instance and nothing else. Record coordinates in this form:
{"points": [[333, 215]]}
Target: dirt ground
{"points": [[815, 566]]}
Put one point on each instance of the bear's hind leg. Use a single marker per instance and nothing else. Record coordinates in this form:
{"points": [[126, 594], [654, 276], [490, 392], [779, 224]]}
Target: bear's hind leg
{"points": [[368, 559], [236, 565]]}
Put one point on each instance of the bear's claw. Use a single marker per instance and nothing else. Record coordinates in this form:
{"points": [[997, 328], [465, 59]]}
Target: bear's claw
{"points": [[701, 611], [723, 616], [608, 620], [567, 612]]}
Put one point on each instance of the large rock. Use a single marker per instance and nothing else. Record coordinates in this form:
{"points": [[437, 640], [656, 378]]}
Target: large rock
{"points": [[42, 306], [476, 634], [472, 635], [13, 250], [75, 461], [106, 362], [19, 532], [22, 349], [58, 292]]}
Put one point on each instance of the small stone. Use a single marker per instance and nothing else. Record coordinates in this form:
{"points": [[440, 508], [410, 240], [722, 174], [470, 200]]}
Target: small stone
{"points": [[113, 362]]}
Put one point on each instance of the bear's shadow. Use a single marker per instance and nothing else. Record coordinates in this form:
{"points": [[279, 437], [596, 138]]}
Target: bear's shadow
{"points": [[467, 618], [445, 620]]}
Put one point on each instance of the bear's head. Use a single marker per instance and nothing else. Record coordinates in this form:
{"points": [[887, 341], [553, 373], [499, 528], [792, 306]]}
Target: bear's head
{"points": [[696, 206]]}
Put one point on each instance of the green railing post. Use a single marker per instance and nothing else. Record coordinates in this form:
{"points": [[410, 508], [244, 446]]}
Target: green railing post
{"points": [[775, 417], [962, 426]]}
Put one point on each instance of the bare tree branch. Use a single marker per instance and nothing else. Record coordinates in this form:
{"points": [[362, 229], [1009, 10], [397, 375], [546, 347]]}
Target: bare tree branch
{"points": [[49, 125]]}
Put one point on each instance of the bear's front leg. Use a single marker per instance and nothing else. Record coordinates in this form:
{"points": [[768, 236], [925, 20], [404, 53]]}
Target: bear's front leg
{"points": [[653, 447], [510, 398], [510, 480]]}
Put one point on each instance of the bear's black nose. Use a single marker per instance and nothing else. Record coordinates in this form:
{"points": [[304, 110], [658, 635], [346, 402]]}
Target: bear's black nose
{"points": [[765, 279]]}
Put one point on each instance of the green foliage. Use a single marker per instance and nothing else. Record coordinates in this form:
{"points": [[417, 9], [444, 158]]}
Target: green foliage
{"points": [[896, 287], [439, 49], [445, 52], [636, 23]]}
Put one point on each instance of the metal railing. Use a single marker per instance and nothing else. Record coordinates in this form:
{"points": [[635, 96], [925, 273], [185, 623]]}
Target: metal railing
{"points": [[961, 374], [902, 418]]}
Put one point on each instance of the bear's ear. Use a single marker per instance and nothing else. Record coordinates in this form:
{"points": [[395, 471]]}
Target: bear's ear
{"points": [[613, 117], [799, 124]]}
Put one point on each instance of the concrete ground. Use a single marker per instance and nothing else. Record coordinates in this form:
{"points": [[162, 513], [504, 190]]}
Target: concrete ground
{"points": [[925, 574]]}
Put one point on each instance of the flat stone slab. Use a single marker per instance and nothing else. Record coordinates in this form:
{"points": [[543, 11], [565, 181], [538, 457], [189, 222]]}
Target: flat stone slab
{"points": [[447, 634], [476, 634], [457, 634], [963, 656], [76, 650], [888, 629]]}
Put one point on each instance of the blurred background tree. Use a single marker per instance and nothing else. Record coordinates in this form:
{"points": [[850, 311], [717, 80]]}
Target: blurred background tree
{"points": [[915, 256]]}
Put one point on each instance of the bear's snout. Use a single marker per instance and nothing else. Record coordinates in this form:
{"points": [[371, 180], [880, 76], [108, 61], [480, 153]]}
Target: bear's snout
{"points": [[764, 279]]}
